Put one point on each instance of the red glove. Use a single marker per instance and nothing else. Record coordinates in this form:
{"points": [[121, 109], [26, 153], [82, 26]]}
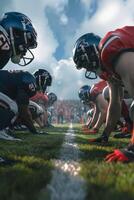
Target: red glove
{"points": [[117, 155]]}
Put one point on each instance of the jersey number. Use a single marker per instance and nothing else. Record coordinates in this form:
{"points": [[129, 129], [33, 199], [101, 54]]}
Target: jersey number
{"points": [[3, 44]]}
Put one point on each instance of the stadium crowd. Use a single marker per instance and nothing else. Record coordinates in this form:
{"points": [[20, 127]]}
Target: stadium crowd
{"points": [[66, 111]]}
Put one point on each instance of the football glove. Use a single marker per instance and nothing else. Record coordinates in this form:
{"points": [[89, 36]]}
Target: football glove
{"points": [[123, 155]]}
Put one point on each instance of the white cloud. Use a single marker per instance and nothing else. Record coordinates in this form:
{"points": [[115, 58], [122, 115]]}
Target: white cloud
{"points": [[67, 80], [87, 3], [109, 16], [63, 19]]}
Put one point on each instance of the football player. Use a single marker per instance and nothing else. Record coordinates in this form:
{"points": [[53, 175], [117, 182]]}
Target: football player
{"points": [[94, 96], [112, 58], [127, 126], [16, 88], [17, 37], [37, 113], [43, 80], [52, 98]]}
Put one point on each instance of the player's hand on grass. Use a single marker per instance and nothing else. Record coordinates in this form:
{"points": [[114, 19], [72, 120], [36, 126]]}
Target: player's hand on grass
{"points": [[123, 155], [117, 155]]}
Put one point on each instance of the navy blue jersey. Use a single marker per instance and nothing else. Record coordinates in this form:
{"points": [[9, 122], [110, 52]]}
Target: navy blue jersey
{"points": [[18, 85], [5, 50]]}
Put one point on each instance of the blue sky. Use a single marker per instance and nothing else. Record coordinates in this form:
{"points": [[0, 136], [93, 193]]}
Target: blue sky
{"points": [[59, 23]]}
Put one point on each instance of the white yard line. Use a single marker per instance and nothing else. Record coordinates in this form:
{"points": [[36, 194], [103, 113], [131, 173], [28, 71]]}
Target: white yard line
{"points": [[66, 183]]}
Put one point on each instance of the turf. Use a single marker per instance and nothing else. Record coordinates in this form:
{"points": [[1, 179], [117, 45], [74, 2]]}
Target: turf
{"points": [[29, 165], [104, 181], [28, 171]]}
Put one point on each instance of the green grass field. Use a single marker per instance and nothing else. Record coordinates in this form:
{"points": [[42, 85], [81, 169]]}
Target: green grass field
{"points": [[105, 181], [26, 177]]}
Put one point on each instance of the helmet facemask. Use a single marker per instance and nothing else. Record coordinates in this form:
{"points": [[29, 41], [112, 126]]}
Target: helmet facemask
{"points": [[90, 60], [86, 54], [21, 42]]}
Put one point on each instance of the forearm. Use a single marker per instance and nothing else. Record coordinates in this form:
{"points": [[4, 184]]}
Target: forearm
{"points": [[114, 113], [89, 121], [100, 121], [39, 122], [26, 118], [94, 118], [114, 107]]}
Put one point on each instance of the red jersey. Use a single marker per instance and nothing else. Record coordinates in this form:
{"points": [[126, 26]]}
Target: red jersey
{"points": [[40, 97], [98, 88], [113, 45]]}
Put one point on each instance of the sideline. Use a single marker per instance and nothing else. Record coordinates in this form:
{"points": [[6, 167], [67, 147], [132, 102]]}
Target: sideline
{"points": [[66, 183]]}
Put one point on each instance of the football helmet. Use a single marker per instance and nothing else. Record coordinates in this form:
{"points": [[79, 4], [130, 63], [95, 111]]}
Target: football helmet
{"points": [[22, 36], [52, 97], [43, 79], [28, 83], [86, 54], [84, 93]]}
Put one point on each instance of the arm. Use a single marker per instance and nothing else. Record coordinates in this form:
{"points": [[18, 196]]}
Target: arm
{"points": [[26, 118], [114, 108], [39, 121], [95, 116], [22, 100], [102, 105]]}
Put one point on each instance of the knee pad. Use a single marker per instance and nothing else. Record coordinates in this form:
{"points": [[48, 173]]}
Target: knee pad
{"points": [[7, 117], [131, 111], [7, 102]]}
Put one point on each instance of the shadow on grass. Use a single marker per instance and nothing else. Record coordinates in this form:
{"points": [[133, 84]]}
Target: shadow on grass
{"points": [[97, 152], [24, 180], [120, 143], [103, 192], [29, 165]]}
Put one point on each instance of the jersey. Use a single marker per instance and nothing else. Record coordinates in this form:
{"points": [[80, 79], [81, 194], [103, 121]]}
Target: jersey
{"points": [[35, 109], [40, 98], [97, 89], [17, 85], [112, 46], [5, 50]]}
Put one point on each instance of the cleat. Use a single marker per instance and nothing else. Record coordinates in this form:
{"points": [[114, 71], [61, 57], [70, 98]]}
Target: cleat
{"points": [[122, 135], [5, 136]]}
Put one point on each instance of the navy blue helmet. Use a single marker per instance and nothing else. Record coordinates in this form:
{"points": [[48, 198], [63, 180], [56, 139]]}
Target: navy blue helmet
{"points": [[85, 53], [52, 97], [29, 83], [84, 93], [22, 36], [43, 79]]}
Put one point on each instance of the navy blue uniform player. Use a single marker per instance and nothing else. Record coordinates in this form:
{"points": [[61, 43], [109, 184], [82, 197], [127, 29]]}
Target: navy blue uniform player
{"points": [[17, 37], [15, 90]]}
